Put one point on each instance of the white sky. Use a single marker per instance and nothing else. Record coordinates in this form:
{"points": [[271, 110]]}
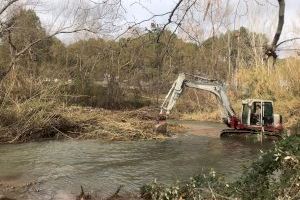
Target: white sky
{"points": [[261, 17], [258, 18]]}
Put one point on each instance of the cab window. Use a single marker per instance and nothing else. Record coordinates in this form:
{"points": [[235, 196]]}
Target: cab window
{"points": [[245, 114]]}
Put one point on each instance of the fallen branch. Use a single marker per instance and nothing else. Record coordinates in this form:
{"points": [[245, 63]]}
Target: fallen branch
{"points": [[83, 196], [116, 194], [62, 133]]}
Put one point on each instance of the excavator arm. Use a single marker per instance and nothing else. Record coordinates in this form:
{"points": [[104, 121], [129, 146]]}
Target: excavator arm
{"points": [[193, 81]]}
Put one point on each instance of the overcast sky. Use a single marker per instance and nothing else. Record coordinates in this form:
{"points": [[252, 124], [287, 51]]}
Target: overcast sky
{"points": [[257, 15], [261, 16]]}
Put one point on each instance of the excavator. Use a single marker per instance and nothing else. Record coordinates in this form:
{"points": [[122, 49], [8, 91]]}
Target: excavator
{"points": [[257, 115]]}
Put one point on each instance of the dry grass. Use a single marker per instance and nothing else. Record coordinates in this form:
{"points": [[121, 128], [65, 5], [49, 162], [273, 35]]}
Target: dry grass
{"points": [[33, 120], [29, 110], [33, 110], [282, 85], [113, 125], [202, 116], [42, 114], [49, 120]]}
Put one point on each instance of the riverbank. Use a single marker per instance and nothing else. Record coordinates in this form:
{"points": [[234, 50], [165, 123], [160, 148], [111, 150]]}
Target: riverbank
{"points": [[40, 122]]}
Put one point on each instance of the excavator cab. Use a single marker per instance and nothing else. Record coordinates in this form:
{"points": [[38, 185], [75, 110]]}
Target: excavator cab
{"points": [[257, 112]]}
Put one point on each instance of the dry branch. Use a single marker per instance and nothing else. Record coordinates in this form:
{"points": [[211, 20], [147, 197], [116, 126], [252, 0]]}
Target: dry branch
{"points": [[270, 51], [7, 5]]}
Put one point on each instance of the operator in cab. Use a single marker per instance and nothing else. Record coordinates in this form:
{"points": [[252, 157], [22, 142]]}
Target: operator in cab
{"points": [[258, 114]]}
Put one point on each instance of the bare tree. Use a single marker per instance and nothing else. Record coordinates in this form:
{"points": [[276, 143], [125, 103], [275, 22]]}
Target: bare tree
{"points": [[270, 51], [211, 15], [75, 17]]}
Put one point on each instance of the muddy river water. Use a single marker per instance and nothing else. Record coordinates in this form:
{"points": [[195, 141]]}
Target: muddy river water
{"points": [[61, 167]]}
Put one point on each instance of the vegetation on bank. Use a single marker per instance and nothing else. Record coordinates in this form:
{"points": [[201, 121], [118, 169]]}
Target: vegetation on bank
{"points": [[275, 175], [39, 94], [33, 122]]}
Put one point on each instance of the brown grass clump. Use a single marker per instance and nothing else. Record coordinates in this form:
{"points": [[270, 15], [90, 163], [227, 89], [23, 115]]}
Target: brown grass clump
{"points": [[29, 111], [34, 120]]}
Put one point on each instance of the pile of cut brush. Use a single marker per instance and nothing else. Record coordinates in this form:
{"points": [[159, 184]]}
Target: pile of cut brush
{"points": [[34, 120], [45, 120], [117, 125]]}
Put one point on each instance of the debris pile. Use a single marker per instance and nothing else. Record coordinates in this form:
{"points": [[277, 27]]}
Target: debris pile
{"points": [[34, 123], [117, 125]]}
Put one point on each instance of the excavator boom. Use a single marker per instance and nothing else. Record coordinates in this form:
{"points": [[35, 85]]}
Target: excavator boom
{"points": [[192, 81]]}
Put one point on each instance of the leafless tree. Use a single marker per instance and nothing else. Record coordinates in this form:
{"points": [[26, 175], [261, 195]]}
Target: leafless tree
{"points": [[270, 50], [74, 17], [211, 15]]}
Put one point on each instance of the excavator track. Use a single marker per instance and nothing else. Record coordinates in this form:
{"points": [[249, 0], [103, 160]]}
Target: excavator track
{"points": [[244, 133], [236, 132]]}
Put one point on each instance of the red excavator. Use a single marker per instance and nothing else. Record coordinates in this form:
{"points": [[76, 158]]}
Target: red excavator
{"points": [[256, 117]]}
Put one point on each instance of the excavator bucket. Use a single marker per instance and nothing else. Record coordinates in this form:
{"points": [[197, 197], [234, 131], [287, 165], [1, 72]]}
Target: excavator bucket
{"points": [[161, 128], [161, 124]]}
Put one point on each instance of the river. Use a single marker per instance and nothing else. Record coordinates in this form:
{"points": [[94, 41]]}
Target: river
{"points": [[61, 167]]}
